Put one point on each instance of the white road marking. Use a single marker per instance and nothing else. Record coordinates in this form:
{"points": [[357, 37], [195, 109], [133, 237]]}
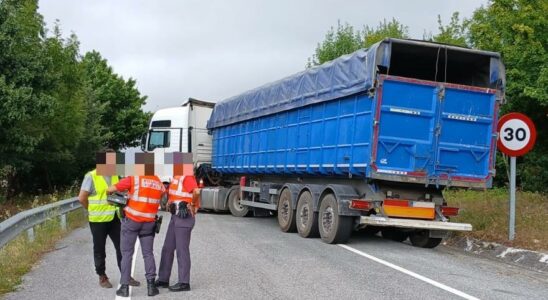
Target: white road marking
{"points": [[137, 244], [410, 273]]}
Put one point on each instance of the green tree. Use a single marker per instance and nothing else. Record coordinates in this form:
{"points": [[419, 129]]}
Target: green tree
{"points": [[122, 117], [345, 39], [337, 42], [453, 33], [25, 103], [65, 127], [391, 29], [56, 108], [518, 29]]}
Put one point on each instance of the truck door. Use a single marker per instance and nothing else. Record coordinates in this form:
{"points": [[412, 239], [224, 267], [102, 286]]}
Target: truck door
{"points": [[405, 128], [434, 131]]}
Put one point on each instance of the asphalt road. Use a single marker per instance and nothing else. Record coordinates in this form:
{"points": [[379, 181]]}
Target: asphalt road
{"points": [[250, 258]]}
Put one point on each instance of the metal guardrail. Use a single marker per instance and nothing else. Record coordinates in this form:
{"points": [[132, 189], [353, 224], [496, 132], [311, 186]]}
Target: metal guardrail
{"points": [[26, 220]]}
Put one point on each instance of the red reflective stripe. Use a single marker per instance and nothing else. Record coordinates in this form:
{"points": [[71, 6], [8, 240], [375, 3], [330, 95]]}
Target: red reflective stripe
{"points": [[449, 211]]}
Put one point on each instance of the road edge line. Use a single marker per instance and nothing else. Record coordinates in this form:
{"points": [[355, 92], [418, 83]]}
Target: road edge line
{"points": [[410, 273]]}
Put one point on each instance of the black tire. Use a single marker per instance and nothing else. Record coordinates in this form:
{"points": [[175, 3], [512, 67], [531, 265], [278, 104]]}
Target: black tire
{"points": [[163, 203], [286, 212], [394, 234], [422, 239], [306, 218], [334, 229], [234, 206]]}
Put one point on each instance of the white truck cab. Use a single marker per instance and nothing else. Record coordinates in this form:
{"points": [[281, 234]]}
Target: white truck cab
{"points": [[181, 129]]}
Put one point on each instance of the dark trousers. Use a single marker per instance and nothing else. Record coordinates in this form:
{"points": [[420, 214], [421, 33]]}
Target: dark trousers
{"points": [[100, 231], [177, 240], [132, 230]]}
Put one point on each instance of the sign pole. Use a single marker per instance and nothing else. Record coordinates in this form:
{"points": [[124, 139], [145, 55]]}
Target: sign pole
{"points": [[512, 222], [516, 137]]}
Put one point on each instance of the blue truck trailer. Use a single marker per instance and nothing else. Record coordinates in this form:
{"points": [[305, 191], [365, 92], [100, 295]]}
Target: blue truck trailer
{"points": [[368, 140]]}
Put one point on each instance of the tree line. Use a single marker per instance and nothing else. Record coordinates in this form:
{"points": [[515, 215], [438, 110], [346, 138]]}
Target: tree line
{"points": [[58, 107], [518, 30]]}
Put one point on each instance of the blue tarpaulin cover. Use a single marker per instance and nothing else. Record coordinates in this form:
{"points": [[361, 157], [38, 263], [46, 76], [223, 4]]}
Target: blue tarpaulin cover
{"points": [[344, 76], [341, 77]]}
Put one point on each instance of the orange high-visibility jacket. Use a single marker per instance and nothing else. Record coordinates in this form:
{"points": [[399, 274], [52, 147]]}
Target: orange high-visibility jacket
{"points": [[145, 194], [180, 189]]}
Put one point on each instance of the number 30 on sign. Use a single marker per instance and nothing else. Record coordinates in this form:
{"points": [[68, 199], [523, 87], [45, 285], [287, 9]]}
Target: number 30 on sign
{"points": [[517, 134]]}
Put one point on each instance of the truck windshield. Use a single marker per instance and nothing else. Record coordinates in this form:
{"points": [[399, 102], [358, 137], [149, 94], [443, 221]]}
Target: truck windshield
{"points": [[158, 139]]}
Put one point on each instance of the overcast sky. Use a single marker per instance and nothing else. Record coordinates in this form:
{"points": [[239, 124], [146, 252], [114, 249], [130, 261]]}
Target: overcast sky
{"points": [[213, 49]]}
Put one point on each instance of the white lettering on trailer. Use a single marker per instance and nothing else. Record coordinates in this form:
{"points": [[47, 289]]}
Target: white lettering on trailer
{"points": [[410, 273], [462, 117], [360, 165], [394, 172], [405, 111]]}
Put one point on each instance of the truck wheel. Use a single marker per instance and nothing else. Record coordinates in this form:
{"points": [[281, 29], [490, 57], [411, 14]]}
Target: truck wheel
{"points": [[286, 212], [333, 228], [236, 209], [163, 203], [306, 218], [422, 239], [394, 234]]}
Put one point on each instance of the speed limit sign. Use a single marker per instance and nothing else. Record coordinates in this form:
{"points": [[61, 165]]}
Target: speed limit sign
{"points": [[517, 134]]}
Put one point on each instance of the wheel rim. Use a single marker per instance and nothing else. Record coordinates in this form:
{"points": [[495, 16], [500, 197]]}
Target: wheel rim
{"points": [[237, 205], [304, 216], [327, 219], [284, 210]]}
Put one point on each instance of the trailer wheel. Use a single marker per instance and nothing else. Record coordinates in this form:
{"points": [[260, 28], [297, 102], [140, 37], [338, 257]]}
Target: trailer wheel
{"points": [[394, 234], [333, 227], [422, 239], [236, 209], [286, 212], [306, 218]]}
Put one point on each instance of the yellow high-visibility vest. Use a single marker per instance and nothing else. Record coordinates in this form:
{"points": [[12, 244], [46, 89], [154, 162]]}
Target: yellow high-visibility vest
{"points": [[98, 208]]}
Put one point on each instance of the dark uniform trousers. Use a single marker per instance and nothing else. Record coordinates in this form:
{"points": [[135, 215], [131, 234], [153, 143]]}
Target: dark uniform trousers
{"points": [[130, 231], [99, 232], [177, 238]]}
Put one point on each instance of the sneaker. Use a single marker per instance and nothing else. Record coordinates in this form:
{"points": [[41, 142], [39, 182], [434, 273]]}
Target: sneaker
{"points": [[104, 282], [133, 282]]}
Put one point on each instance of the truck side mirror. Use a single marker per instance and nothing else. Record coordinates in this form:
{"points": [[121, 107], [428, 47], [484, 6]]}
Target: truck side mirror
{"points": [[143, 141]]}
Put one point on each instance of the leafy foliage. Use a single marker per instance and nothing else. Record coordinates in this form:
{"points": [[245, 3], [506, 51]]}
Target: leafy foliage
{"points": [[57, 108], [122, 117], [345, 39], [391, 29], [453, 33]]}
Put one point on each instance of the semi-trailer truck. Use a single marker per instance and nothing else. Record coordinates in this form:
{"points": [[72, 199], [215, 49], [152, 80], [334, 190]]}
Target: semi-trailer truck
{"points": [[368, 140]]}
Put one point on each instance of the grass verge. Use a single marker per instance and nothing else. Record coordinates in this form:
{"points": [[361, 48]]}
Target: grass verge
{"points": [[21, 202], [487, 211], [19, 256]]}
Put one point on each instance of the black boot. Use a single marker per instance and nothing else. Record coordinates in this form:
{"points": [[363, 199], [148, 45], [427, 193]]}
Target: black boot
{"points": [[179, 287], [152, 289], [162, 284], [123, 291]]}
